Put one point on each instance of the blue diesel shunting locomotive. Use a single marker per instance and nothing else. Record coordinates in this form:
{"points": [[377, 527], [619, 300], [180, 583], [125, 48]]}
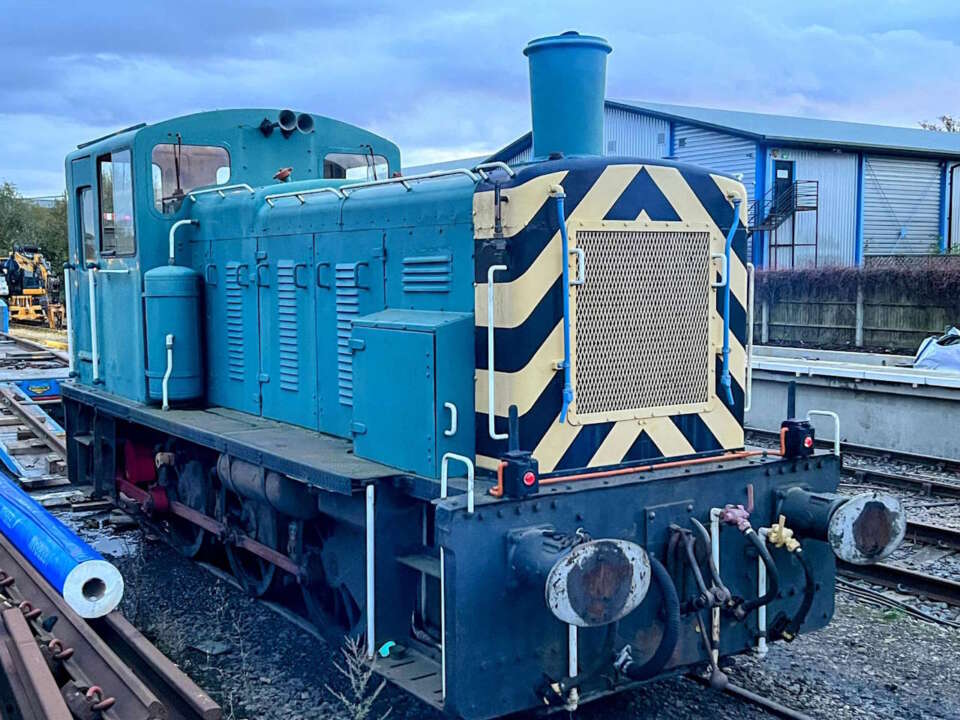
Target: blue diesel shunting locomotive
{"points": [[490, 418]]}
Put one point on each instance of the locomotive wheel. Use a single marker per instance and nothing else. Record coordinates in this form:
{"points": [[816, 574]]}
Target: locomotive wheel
{"points": [[193, 489], [259, 522], [327, 594]]}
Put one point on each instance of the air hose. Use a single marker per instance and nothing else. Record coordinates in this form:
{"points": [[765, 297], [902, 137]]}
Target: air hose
{"points": [[773, 577], [671, 631], [789, 632]]}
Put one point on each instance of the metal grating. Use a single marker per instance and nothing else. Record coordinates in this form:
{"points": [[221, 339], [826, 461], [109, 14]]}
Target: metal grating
{"points": [[427, 274], [348, 307], [234, 291], [287, 341], [642, 320]]}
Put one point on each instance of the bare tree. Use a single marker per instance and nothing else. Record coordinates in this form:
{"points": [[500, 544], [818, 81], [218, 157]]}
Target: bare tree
{"points": [[945, 123]]}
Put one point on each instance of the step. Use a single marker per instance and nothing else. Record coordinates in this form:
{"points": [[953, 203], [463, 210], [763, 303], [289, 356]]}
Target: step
{"points": [[85, 440], [416, 673], [426, 564]]}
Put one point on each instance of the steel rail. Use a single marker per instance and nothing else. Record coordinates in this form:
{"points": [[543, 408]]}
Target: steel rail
{"points": [[92, 663], [33, 689], [917, 483], [945, 537], [20, 407], [905, 580], [182, 698], [949, 464], [879, 599], [741, 693]]}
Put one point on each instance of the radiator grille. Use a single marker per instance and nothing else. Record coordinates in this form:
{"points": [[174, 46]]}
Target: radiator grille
{"points": [[642, 320]]}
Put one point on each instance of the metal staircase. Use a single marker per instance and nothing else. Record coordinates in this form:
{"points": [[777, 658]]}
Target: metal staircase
{"points": [[779, 206]]}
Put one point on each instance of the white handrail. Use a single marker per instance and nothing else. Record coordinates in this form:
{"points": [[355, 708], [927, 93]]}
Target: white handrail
{"points": [[371, 599], [447, 457], [68, 303], [167, 373], [94, 342], [748, 400], [836, 426], [221, 191], [300, 194], [494, 165], [452, 430], [405, 180], [491, 405], [722, 282], [444, 486]]}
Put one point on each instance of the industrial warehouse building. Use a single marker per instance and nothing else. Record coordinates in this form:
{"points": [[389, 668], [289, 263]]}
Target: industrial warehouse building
{"points": [[822, 192]]}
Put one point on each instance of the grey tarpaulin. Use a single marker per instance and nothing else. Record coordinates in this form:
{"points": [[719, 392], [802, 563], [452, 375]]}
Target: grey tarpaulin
{"points": [[942, 353]]}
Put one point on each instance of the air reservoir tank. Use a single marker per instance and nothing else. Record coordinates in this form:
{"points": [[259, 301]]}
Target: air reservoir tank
{"points": [[172, 299]]}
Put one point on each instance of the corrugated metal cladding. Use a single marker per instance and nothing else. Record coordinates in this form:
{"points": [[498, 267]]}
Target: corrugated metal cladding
{"points": [[834, 224], [635, 135], [955, 210], [717, 151], [901, 206], [525, 155]]}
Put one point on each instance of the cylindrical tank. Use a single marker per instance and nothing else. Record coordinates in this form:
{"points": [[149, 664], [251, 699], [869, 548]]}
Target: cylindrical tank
{"points": [[568, 76], [172, 299]]}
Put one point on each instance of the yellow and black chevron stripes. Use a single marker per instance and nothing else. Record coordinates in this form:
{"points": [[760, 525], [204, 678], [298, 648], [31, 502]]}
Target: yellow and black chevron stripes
{"points": [[528, 308]]}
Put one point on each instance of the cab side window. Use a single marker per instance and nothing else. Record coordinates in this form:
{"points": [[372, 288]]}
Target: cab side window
{"points": [[117, 235], [87, 234]]}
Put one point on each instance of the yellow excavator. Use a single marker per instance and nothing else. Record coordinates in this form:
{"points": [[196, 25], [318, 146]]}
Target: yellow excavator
{"points": [[33, 291]]}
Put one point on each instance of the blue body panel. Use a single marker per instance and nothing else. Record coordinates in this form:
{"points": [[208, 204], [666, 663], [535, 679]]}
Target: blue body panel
{"points": [[416, 403]]}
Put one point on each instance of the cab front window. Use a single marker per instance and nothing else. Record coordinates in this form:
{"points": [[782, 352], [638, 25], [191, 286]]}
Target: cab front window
{"points": [[178, 169]]}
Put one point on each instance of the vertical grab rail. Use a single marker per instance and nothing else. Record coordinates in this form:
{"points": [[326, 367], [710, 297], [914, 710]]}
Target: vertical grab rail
{"points": [[725, 374], [748, 400], [558, 194], [67, 281], [443, 578], [491, 405], [94, 340], [371, 598]]}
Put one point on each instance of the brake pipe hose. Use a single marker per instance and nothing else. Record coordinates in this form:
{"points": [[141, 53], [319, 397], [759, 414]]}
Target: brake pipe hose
{"points": [[725, 373], [671, 631], [558, 195]]}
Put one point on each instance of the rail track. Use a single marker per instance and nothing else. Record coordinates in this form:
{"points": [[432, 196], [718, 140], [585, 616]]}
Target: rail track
{"points": [[59, 666]]}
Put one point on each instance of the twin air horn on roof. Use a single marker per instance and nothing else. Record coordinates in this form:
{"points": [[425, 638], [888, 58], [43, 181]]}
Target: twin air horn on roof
{"points": [[289, 122]]}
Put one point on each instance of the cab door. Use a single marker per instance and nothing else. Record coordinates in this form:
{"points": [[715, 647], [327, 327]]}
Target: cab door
{"points": [[349, 279], [233, 331], [83, 244], [117, 280], [288, 366]]}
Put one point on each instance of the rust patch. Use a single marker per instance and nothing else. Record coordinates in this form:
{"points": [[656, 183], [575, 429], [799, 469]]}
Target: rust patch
{"points": [[598, 586], [873, 529]]}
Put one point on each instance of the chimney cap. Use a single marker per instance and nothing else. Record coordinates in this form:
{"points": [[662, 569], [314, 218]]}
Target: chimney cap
{"points": [[568, 39]]}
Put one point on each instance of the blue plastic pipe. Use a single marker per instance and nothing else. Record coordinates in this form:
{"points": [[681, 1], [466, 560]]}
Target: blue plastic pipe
{"points": [[565, 265], [725, 373], [90, 585]]}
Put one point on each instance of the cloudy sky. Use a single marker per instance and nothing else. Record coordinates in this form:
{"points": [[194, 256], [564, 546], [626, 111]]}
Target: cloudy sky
{"points": [[446, 80]]}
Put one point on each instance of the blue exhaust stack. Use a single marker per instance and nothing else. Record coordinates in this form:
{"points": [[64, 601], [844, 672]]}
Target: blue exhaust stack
{"points": [[568, 75]]}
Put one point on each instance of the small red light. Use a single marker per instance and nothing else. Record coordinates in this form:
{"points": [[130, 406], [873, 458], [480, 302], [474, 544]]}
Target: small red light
{"points": [[529, 478], [808, 442]]}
